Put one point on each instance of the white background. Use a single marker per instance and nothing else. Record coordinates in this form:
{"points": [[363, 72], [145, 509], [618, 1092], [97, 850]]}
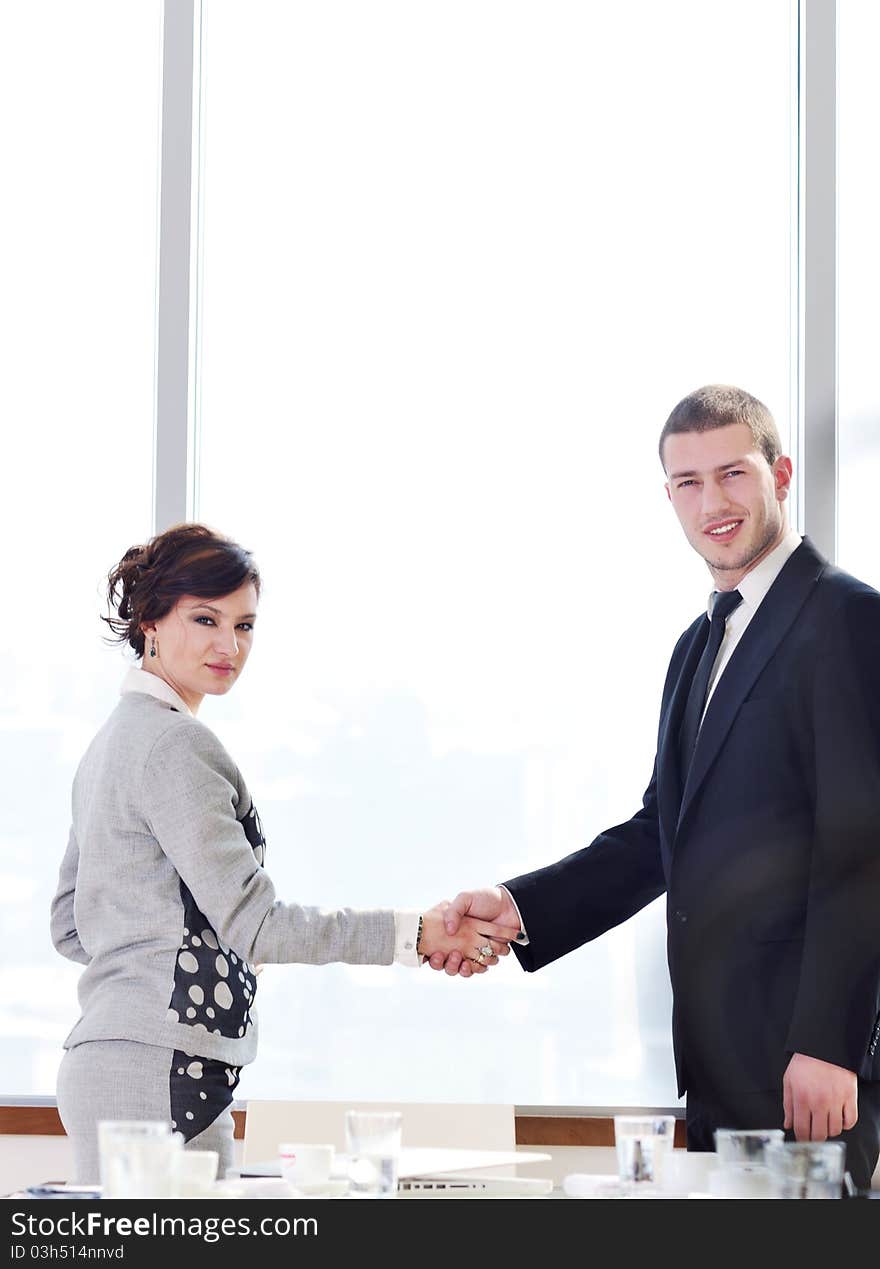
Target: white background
{"points": [[858, 283], [460, 262], [79, 146]]}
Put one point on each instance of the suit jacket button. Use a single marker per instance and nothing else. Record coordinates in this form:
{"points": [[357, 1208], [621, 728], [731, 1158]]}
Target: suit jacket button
{"points": [[681, 915]]}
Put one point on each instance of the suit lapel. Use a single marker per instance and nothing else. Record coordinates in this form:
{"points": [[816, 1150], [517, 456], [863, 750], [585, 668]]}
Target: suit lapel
{"points": [[761, 638], [668, 774]]}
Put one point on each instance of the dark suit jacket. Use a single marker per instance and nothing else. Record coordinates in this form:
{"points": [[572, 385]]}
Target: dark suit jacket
{"points": [[770, 857]]}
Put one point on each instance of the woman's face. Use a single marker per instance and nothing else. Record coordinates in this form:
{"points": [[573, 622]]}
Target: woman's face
{"points": [[202, 644]]}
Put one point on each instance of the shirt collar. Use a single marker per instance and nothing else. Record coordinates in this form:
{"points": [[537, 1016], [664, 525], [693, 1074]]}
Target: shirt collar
{"points": [[138, 680], [757, 582]]}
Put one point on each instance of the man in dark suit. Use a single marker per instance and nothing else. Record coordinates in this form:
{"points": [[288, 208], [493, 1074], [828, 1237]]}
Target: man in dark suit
{"points": [[762, 818]]}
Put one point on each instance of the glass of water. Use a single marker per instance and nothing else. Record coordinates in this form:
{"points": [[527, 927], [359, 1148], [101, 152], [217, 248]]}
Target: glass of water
{"points": [[643, 1143], [372, 1140], [138, 1158], [741, 1167], [806, 1169]]}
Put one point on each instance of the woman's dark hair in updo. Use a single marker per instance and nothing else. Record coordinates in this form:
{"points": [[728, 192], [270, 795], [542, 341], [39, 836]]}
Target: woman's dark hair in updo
{"points": [[187, 559]]}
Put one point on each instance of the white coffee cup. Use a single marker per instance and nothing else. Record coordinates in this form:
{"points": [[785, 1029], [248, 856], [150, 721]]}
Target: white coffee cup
{"points": [[304, 1165], [684, 1172], [196, 1172]]}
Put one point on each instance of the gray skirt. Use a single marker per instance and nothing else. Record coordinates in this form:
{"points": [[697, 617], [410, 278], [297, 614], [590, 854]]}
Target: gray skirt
{"points": [[123, 1079]]}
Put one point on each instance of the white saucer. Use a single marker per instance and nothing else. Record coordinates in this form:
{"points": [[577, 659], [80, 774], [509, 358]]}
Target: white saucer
{"points": [[592, 1185]]}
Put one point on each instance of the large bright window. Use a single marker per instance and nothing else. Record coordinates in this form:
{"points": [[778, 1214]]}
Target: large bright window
{"points": [[858, 283], [79, 97], [460, 261]]}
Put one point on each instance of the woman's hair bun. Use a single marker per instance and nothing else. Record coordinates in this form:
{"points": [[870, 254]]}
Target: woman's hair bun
{"points": [[149, 579]]}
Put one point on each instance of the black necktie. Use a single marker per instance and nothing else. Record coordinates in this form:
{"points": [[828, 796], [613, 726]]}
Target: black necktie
{"points": [[725, 602]]}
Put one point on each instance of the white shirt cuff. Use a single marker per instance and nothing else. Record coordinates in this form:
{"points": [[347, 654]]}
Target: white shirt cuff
{"points": [[406, 932], [523, 941]]}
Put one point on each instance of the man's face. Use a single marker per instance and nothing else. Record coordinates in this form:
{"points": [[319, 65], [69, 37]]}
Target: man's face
{"points": [[728, 498]]}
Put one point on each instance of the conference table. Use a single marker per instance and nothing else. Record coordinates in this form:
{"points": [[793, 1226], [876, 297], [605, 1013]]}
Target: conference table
{"points": [[567, 1172]]}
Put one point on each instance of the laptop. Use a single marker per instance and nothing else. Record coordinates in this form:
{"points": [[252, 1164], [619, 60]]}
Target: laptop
{"points": [[438, 1173], [473, 1185]]}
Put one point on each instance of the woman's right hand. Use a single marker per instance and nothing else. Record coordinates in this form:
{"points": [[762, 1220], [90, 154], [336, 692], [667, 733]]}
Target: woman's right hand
{"points": [[471, 936]]}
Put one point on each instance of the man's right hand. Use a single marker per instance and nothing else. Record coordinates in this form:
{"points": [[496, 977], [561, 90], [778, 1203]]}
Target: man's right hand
{"points": [[493, 904]]}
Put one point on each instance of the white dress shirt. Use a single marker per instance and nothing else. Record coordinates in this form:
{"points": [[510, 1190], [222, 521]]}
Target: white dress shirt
{"points": [[753, 588], [406, 923]]}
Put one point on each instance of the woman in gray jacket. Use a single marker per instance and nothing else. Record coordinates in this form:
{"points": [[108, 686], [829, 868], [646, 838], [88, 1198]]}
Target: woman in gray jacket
{"points": [[162, 892]]}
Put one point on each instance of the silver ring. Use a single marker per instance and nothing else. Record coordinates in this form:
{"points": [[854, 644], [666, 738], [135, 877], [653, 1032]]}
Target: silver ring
{"points": [[486, 950]]}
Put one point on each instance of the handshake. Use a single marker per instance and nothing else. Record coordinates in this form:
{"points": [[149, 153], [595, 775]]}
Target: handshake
{"points": [[469, 935]]}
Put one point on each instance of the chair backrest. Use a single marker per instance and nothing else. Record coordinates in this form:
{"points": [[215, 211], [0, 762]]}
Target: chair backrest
{"points": [[438, 1124]]}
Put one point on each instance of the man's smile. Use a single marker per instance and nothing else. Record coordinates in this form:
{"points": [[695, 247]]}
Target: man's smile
{"points": [[722, 530]]}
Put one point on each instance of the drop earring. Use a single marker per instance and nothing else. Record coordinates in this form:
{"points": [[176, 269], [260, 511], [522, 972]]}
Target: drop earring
{"points": [[153, 648]]}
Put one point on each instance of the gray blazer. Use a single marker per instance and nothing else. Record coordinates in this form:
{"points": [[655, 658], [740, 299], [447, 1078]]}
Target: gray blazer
{"points": [[162, 893]]}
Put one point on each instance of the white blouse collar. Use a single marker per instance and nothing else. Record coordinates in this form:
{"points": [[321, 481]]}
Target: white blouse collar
{"points": [[138, 680]]}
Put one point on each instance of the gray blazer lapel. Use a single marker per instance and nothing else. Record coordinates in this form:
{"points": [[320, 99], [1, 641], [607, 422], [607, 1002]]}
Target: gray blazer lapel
{"points": [[760, 640]]}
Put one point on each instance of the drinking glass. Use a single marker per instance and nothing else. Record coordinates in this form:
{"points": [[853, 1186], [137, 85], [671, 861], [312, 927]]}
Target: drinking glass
{"points": [[643, 1143], [741, 1169], [372, 1140], [138, 1158], [806, 1169]]}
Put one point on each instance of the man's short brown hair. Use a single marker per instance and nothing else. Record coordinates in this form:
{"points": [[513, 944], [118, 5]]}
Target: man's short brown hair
{"points": [[720, 405]]}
